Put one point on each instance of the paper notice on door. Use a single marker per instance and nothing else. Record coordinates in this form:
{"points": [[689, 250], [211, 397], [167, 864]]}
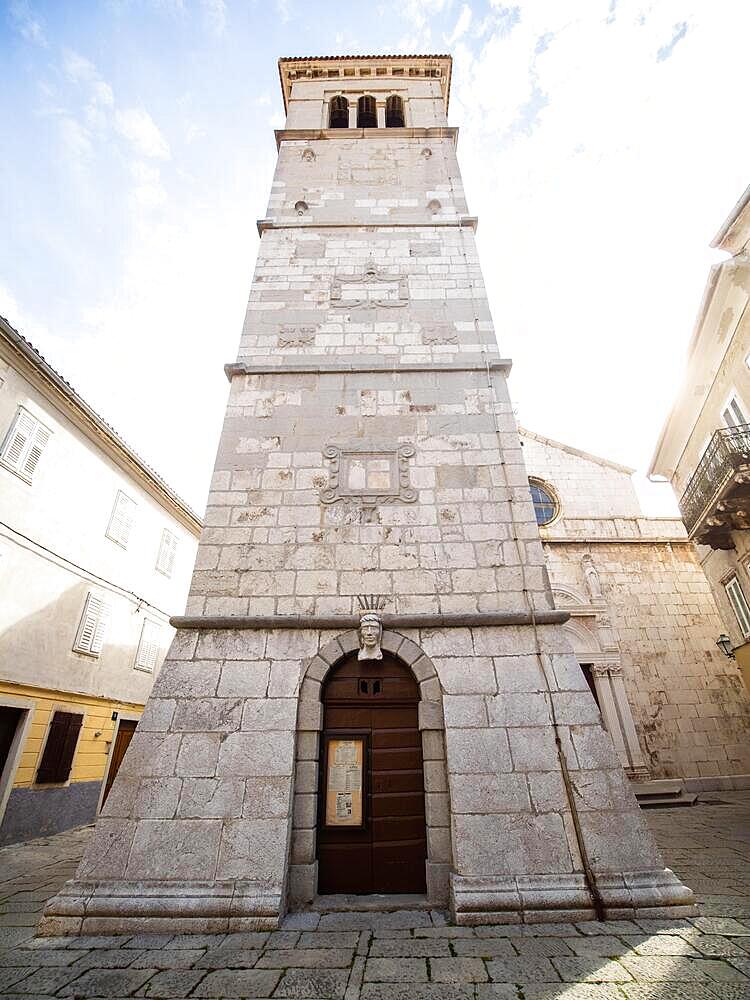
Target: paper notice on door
{"points": [[344, 791], [344, 805], [345, 778], [346, 752]]}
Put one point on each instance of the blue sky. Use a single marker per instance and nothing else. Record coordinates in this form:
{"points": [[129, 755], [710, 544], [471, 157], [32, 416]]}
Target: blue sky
{"points": [[602, 143]]}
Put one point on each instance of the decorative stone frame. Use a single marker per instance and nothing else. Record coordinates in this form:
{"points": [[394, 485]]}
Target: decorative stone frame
{"points": [[303, 867], [339, 458], [589, 632]]}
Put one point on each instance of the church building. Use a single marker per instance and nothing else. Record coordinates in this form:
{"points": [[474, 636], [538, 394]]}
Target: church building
{"points": [[372, 692]]}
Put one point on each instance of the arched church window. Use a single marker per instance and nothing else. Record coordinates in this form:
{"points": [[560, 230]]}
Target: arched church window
{"points": [[546, 505], [394, 112], [367, 112], [338, 112]]}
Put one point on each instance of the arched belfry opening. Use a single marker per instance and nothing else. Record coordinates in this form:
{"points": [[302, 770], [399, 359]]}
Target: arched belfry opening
{"points": [[367, 112], [338, 116], [394, 112], [372, 836]]}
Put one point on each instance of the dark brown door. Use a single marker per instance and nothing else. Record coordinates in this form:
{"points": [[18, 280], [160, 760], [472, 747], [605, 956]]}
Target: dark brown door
{"points": [[122, 741], [9, 719], [376, 699]]}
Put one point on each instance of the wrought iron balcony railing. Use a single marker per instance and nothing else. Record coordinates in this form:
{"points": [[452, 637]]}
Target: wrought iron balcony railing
{"points": [[727, 451]]}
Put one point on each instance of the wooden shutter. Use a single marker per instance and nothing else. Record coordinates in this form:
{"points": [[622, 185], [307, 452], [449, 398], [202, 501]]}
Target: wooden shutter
{"points": [[121, 522], [167, 552], [93, 627], [57, 759], [38, 443], [24, 444], [149, 646]]}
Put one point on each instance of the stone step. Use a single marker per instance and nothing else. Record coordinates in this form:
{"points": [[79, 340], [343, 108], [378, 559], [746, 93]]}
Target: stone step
{"points": [[659, 786], [376, 903], [662, 793]]}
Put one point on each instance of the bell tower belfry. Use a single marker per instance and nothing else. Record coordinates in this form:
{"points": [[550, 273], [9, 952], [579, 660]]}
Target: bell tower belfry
{"points": [[371, 690]]}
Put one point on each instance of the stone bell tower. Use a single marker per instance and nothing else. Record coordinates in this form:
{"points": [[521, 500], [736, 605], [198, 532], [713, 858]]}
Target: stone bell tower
{"points": [[369, 459]]}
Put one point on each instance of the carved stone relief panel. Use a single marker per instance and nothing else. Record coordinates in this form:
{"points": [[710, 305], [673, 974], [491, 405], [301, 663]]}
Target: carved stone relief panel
{"points": [[439, 334], [296, 336], [368, 476], [373, 287]]}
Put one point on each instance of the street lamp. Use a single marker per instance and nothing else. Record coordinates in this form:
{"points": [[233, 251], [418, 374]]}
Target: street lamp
{"points": [[725, 645]]}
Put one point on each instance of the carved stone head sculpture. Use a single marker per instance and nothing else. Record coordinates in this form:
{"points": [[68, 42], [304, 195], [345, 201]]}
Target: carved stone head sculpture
{"points": [[370, 634]]}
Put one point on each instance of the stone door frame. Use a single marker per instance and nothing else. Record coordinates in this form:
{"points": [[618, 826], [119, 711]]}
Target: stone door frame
{"points": [[303, 867]]}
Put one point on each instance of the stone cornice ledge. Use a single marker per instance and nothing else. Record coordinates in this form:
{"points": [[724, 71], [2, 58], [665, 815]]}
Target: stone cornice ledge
{"points": [[469, 221], [327, 366], [460, 619]]}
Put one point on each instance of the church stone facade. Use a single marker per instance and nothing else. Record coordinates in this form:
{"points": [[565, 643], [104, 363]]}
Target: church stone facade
{"points": [[643, 624], [369, 459]]}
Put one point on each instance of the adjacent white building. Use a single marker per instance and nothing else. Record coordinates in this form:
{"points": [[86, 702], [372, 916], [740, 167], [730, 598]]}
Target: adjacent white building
{"points": [[704, 446], [96, 553]]}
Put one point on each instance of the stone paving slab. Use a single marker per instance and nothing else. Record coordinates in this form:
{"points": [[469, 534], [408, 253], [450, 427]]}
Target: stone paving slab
{"points": [[407, 955]]}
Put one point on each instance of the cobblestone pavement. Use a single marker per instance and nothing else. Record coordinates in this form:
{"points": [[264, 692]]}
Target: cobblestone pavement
{"points": [[407, 955]]}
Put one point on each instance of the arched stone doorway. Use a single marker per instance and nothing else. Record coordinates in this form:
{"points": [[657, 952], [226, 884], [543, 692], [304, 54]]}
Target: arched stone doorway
{"points": [[372, 836], [303, 869]]}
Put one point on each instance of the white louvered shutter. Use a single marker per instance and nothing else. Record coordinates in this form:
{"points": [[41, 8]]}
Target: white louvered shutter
{"points": [[121, 522], [167, 552], [93, 627], [38, 443], [148, 647], [24, 444]]}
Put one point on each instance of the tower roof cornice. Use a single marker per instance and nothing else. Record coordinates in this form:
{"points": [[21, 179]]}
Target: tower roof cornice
{"points": [[437, 66]]}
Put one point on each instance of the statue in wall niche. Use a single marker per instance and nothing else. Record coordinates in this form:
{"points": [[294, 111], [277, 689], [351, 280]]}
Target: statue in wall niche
{"points": [[593, 584], [370, 635]]}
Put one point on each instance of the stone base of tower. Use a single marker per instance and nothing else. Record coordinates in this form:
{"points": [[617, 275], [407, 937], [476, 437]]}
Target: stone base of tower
{"points": [[564, 898], [121, 907], [212, 824]]}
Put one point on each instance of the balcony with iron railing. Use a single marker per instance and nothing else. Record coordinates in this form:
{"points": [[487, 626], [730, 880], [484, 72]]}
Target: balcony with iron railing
{"points": [[716, 501]]}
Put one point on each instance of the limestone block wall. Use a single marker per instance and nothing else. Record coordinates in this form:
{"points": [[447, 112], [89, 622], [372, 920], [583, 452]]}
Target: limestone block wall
{"points": [[689, 705], [588, 487], [270, 546]]}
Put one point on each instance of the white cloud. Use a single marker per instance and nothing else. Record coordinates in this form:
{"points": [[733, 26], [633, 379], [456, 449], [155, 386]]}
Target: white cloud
{"points": [[592, 165], [140, 129], [148, 191], [215, 13], [76, 141], [462, 25], [420, 11], [27, 23]]}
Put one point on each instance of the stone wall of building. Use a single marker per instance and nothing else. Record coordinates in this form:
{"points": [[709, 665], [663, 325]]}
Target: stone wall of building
{"points": [[648, 614]]}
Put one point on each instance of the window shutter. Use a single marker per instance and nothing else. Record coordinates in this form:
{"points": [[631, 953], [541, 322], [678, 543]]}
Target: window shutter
{"points": [[167, 552], [39, 442], [60, 749], [18, 438], [93, 627], [149, 646], [121, 522], [24, 444], [739, 605]]}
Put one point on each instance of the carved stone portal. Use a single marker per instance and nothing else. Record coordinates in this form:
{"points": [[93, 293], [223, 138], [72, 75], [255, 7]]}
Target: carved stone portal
{"points": [[368, 477]]}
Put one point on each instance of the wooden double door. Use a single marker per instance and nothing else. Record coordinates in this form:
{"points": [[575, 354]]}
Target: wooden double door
{"points": [[375, 702]]}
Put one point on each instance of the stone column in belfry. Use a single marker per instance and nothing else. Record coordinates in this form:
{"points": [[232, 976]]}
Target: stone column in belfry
{"points": [[369, 462]]}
